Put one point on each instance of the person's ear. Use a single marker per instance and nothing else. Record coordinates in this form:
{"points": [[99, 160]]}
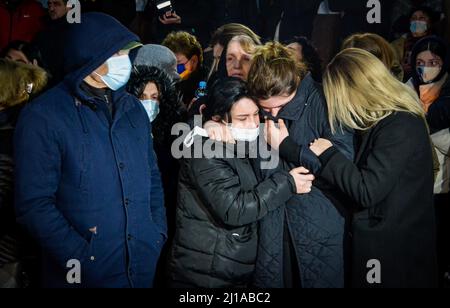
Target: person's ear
{"points": [[194, 62], [35, 62]]}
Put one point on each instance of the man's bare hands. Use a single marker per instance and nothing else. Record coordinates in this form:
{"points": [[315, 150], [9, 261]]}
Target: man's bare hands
{"points": [[303, 180], [275, 135]]}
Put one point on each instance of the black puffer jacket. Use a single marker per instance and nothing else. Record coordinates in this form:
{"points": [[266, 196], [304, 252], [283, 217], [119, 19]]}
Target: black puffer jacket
{"points": [[219, 203]]}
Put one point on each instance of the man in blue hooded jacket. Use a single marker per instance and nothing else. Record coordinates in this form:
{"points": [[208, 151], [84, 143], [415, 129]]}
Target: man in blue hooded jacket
{"points": [[87, 183]]}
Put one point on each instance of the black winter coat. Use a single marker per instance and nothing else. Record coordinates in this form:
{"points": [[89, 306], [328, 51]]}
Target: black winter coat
{"points": [[219, 203], [439, 113], [391, 185]]}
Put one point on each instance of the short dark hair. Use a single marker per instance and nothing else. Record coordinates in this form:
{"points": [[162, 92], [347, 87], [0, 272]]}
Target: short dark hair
{"points": [[28, 49], [433, 44], [433, 15], [275, 71], [311, 56], [222, 95], [184, 43]]}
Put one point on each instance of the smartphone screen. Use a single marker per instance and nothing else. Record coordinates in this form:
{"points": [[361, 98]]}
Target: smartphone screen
{"points": [[164, 7]]}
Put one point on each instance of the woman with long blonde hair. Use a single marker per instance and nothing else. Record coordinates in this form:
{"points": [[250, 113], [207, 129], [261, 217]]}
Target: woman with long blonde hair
{"points": [[391, 180]]}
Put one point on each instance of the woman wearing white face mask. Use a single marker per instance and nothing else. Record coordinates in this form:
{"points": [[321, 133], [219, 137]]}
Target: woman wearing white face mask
{"points": [[422, 20], [430, 77], [162, 103], [432, 83], [220, 200]]}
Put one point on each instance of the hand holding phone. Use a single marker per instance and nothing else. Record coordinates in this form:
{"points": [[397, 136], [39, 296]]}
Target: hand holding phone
{"points": [[170, 18], [164, 6]]}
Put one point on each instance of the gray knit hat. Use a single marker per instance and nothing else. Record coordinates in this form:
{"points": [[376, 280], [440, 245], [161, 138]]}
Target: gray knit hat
{"points": [[158, 56]]}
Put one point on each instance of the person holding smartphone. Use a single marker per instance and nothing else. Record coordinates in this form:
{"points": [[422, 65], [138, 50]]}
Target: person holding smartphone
{"points": [[186, 15]]}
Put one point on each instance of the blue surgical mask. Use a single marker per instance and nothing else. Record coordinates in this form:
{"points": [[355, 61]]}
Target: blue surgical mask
{"points": [[181, 68], [152, 108], [119, 71], [419, 27]]}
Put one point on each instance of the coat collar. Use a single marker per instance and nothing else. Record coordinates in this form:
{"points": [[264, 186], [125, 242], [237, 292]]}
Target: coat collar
{"points": [[294, 109]]}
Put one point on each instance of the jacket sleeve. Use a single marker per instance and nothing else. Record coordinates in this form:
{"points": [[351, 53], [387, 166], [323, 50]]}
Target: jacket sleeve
{"points": [[157, 194], [220, 186], [6, 181], [38, 172], [370, 183], [300, 154], [438, 116]]}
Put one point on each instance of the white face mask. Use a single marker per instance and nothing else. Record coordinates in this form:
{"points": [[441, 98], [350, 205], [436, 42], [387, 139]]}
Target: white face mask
{"points": [[428, 74], [244, 134], [152, 108]]}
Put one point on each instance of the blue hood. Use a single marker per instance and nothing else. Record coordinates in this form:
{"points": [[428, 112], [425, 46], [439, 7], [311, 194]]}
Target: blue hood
{"points": [[90, 43]]}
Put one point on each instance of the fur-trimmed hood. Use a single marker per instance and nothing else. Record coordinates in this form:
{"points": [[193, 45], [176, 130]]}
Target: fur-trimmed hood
{"points": [[19, 82], [172, 110]]}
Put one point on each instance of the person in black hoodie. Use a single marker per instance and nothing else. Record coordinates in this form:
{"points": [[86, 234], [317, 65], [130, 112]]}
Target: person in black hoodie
{"points": [[389, 185], [220, 199]]}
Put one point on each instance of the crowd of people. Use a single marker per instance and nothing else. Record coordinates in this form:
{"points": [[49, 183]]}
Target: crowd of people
{"points": [[224, 144]]}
